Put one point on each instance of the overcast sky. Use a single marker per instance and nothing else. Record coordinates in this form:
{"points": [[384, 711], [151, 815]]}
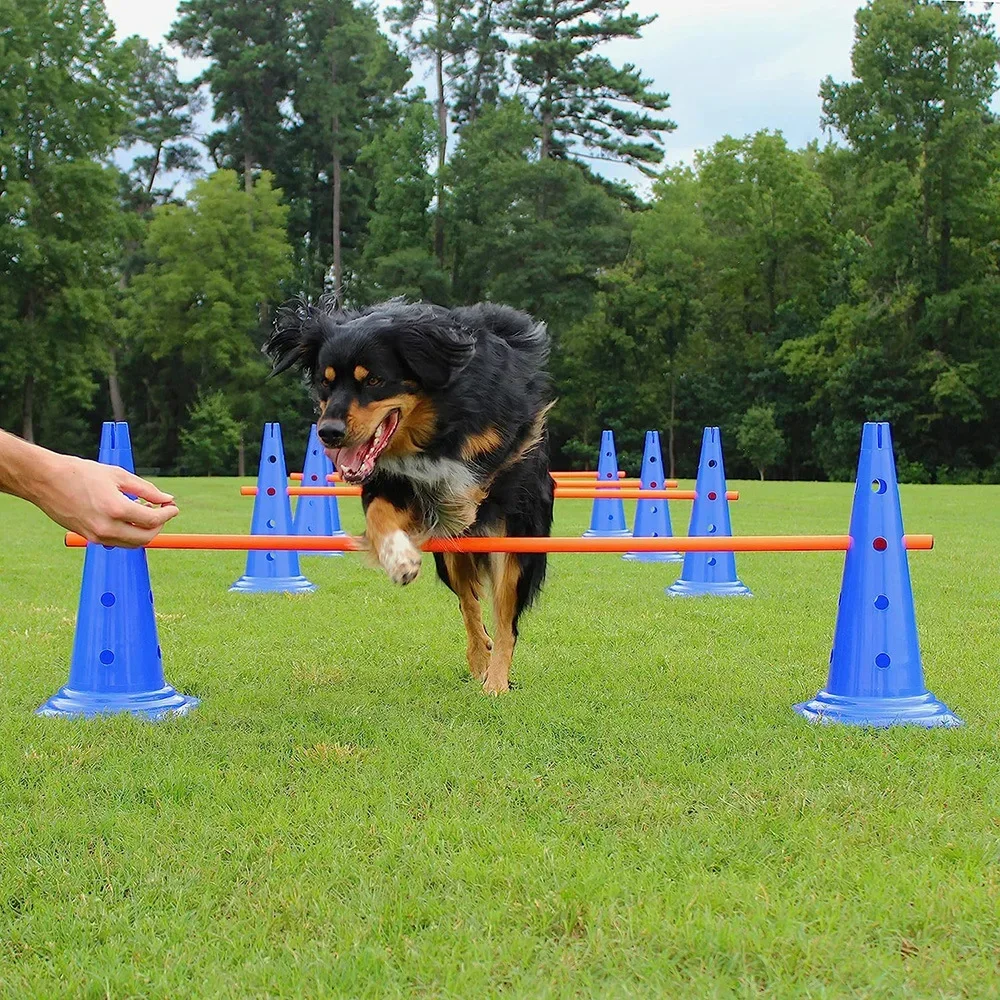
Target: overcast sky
{"points": [[729, 66]]}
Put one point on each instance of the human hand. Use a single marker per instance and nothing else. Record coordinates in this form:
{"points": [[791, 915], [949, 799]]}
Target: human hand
{"points": [[89, 498]]}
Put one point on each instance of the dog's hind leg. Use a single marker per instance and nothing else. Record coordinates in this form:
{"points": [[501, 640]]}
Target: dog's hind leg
{"points": [[505, 576], [463, 578]]}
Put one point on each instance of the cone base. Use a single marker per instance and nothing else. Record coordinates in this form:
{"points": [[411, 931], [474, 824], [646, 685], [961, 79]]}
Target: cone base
{"points": [[654, 557], [67, 703], [920, 710], [272, 585], [727, 588], [590, 533]]}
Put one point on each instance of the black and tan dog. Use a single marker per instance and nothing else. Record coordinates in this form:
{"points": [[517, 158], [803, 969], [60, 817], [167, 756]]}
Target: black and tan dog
{"points": [[440, 415]]}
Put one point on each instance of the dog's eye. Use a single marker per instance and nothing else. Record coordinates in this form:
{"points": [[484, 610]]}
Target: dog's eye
{"points": [[373, 381]]}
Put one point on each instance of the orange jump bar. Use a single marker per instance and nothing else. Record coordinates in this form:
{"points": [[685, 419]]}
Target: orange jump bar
{"points": [[562, 493], [342, 543], [560, 477]]}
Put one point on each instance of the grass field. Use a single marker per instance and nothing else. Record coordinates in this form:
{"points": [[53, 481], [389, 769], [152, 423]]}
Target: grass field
{"points": [[345, 815]]}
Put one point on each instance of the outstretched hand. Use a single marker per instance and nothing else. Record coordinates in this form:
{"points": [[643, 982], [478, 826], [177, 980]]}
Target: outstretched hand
{"points": [[89, 498]]}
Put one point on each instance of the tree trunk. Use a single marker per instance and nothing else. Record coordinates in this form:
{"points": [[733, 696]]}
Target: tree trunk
{"points": [[28, 409], [442, 112], [247, 172], [114, 387], [241, 457], [338, 264], [761, 475], [670, 427], [547, 118]]}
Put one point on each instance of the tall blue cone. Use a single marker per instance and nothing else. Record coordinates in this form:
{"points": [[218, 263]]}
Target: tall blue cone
{"points": [[607, 517], [316, 515], [876, 678], [269, 572], [652, 517], [117, 665], [710, 572]]}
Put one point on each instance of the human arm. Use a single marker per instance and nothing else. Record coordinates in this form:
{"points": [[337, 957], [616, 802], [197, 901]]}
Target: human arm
{"points": [[83, 496]]}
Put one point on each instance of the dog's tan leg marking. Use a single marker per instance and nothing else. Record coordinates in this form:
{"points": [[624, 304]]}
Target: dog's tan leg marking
{"points": [[465, 579], [505, 572], [388, 531]]}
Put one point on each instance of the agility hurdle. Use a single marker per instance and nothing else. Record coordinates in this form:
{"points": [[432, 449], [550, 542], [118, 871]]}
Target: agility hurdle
{"points": [[623, 483], [695, 543], [561, 493], [875, 675]]}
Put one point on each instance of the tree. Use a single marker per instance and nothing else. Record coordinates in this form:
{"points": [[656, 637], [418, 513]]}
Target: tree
{"points": [[196, 307], [397, 258], [579, 98], [161, 111], [759, 439], [429, 29], [346, 77], [62, 105], [210, 438], [249, 73], [926, 152], [534, 234]]}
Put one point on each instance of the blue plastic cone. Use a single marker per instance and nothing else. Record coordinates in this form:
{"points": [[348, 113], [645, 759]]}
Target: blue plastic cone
{"points": [[876, 678], [607, 517], [652, 517], [317, 515], [710, 572], [269, 572], [117, 665]]}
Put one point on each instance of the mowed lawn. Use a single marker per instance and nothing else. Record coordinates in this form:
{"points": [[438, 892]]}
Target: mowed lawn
{"points": [[346, 815]]}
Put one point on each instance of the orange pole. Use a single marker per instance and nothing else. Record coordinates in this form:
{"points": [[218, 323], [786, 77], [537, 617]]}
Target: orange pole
{"points": [[561, 492], [342, 543], [296, 477]]}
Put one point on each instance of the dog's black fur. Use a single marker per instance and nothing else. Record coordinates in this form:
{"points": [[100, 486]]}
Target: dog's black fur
{"points": [[469, 454]]}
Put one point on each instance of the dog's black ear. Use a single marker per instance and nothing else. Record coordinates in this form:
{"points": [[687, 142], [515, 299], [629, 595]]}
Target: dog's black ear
{"points": [[296, 339], [434, 346]]}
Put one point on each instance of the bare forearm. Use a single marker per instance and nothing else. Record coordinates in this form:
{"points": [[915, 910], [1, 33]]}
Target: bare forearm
{"points": [[24, 467], [83, 496]]}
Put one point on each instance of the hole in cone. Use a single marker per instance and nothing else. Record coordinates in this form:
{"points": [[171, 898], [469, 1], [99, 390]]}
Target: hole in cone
{"points": [[272, 458], [882, 660], [880, 544], [107, 657], [108, 599], [881, 602], [879, 486], [711, 560], [271, 491], [712, 463], [713, 495]]}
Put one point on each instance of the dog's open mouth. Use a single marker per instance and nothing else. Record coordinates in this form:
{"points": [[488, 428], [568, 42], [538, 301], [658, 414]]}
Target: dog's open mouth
{"points": [[357, 463]]}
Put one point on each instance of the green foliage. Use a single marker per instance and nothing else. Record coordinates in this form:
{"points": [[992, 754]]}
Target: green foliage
{"points": [[759, 439], [581, 99], [62, 105], [210, 438]]}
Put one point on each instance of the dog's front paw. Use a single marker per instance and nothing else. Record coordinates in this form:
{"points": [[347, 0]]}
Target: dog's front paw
{"points": [[400, 558]]}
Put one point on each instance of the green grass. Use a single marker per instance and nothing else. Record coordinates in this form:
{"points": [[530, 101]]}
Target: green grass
{"points": [[644, 816]]}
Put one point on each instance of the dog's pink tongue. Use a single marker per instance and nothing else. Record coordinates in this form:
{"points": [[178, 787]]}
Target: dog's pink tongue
{"points": [[348, 460]]}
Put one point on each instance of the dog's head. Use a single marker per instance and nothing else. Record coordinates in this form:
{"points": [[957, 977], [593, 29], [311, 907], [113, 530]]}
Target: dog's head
{"points": [[376, 373]]}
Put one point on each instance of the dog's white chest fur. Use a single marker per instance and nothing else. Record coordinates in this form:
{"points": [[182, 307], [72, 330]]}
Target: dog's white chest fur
{"points": [[444, 484]]}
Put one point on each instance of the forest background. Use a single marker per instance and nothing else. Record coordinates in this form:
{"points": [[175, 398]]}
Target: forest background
{"points": [[451, 150]]}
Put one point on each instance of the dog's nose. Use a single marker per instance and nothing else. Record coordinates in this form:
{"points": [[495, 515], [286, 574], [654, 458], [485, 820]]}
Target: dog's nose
{"points": [[331, 432]]}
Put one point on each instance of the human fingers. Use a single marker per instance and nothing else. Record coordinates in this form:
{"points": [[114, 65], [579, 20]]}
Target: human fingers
{"points": [[130, 483], [143, 516]]}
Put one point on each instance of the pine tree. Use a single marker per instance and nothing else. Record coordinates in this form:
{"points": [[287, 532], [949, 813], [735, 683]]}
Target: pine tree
{"points": [[586, 106]]}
